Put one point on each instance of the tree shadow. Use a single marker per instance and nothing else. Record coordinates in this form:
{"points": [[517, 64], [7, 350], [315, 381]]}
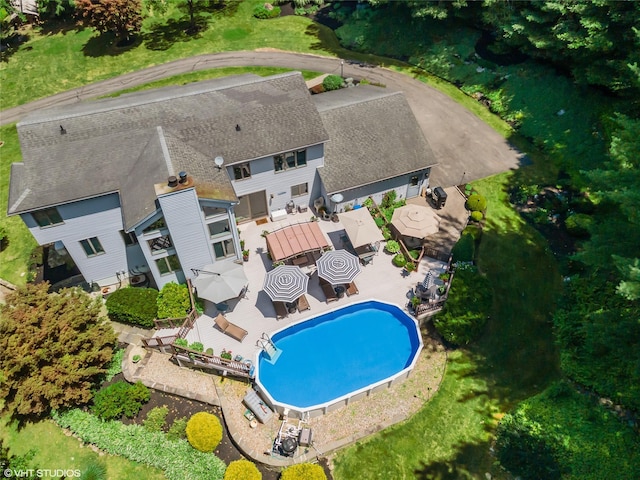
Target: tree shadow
{"points": [[162, 36], [53, 26], [12, 44], [460, 466], [106, 44]]}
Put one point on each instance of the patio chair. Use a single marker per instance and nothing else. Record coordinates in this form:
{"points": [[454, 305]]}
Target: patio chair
{"points": [[281, 310], [303, 304], [329, 291], [231, 329], [352, 289]]}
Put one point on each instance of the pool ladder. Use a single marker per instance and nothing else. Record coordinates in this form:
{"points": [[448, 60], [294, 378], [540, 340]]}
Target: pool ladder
{"points": [[267, 345]]}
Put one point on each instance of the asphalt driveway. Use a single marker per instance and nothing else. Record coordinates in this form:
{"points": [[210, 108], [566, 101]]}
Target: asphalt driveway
{"points": [[467, 149]]}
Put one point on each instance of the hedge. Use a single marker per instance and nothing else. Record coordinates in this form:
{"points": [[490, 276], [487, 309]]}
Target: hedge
{"points": [[204, 431], [242, 470], [465, 248], [173, 301], [136, 306], [120, 398], [176, 458]]}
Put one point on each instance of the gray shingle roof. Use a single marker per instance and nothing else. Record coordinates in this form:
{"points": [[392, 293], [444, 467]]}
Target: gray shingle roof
{"points": [[373, 136], [115, 145]]}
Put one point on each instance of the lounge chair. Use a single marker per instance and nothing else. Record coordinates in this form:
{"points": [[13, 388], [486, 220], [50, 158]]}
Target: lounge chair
{"points": [[231, 329], [260, 409], [281, 310], [303, 304], [329, 291], [352, 289]]}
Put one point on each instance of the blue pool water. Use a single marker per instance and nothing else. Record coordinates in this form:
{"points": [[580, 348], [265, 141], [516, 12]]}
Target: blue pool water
{"points": [[340, 352]]}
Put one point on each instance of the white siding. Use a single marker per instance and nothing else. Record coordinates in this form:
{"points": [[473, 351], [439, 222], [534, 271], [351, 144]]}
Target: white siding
{"points": [[278, 185], [97, 217], [184, 218]]}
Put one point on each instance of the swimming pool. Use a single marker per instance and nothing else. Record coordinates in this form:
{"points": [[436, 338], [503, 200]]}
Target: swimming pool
{"points": [[329, 360]]}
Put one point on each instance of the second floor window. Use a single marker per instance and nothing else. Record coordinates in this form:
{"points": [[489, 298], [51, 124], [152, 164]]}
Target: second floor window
{"points": [[92, 246], [160, 244], [157, 225], [129, 238], [220, 228], [242, 171], [47, 217], [290, 160], [168, 264]]}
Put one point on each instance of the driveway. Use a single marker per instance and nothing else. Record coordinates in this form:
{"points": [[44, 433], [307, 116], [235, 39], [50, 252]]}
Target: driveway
{"points": [[466, 148]]}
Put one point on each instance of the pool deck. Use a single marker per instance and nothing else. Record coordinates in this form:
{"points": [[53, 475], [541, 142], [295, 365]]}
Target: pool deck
{"points": [[379, 280]]}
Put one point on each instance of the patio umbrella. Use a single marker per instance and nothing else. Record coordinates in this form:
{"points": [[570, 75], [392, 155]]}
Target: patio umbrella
{"points": [[285, 283], [220, 281], [338, 266], [415, 221], [360, 227]]}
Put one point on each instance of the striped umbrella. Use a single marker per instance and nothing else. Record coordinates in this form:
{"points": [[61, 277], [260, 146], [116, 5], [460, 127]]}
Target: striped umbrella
{"points": [[338, 266], [285, 283]]}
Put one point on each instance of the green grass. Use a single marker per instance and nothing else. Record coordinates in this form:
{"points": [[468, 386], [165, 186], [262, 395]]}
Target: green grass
{"points": [[55, 450], [15, 257], [514, 359]]}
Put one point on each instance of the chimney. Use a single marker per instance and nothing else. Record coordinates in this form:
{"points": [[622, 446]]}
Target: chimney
{"points": [[183, 177], [238, 127], [172, 181], [63, 131]]}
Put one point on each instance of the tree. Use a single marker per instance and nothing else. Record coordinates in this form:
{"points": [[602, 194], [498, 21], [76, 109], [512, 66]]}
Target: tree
{"points": [[55, 348], [121, 17]]}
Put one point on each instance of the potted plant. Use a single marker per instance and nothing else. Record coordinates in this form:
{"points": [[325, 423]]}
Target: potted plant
{"points": [[415, 301], [136, 358], [245, 255], [445, 277]]}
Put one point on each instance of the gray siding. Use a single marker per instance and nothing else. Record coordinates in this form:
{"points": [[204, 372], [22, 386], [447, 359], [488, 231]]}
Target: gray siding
{"points": [[99, 217], [278, 185]]}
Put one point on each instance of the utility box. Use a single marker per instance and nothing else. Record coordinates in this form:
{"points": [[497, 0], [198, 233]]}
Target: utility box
{"points": [[439, 197], [305, 438]]}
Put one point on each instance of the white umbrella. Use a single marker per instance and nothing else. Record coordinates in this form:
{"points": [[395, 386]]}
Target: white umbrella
{"points": [[415, 221], [338, 266], [360, 227], [220, 281], [285, 283]]}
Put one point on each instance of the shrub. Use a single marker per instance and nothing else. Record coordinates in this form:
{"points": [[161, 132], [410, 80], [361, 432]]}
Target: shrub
{"points": [[266, 11], [399, 260], [173, 301], [388, 199], [197, 346], [467, 309], [135, 306], [242, 470], [379, 221], [332, 82], [181, 342], [94, 471], [156, 419], [303, 471], [578, 224], [204, 431], [392, 246], [477, 203], [410, 267], [386, 233], [115, 365], [178, 429], [119, 399], [176, 458], [477, 216], [465, 248]]}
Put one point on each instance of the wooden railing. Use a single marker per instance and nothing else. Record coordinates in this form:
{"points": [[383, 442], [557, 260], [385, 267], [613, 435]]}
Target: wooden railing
{"points": [[434, 253], [431, 308], [159, 342], [188, 323], [161, 323], [199, 359]]}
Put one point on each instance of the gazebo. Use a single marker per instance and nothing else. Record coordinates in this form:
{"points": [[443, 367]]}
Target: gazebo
{"points": [[296, 240]]}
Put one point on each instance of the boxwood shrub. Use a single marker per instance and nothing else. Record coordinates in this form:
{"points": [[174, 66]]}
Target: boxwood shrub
{"points": [[173, 301], [477, 203], [204, 432], [332, 82], [156, 419], [392, 246], [477, 216], [399, 260], [242, 470], [303, 471], [120, 398], [136, 306], [263, 13], [175, 457]]}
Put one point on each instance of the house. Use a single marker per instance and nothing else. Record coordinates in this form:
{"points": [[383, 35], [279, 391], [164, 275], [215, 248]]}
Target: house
{"points": [[157, 181]]}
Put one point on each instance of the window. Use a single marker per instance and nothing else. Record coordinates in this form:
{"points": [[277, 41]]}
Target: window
{"points": [[213, 211], [92, 246], [224, 248], [47, 217], [168, 264], [157, 225], [290, 160], [160, 244], [129, 238], [219, 228], [298, 190], [242, 171], [413, 181]]}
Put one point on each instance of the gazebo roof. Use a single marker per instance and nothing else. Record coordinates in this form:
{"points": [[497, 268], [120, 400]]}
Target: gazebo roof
{"points": [[295, 240]]}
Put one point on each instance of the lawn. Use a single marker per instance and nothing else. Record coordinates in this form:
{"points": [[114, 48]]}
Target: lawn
{"points": [[451, 436], [55, 450]]}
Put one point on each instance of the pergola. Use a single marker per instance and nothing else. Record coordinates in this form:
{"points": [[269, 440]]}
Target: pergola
{"points": [[295, 240]]}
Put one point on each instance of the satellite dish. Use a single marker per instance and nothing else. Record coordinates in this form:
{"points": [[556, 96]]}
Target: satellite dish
{"points": [[218, 161], [337, 198]]}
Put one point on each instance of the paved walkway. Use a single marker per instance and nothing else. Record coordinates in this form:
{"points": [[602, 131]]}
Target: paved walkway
{"points": [[466, 148]]}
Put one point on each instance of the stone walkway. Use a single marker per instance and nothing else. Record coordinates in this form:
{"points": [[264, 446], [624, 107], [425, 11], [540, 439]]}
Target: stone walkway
{"points": [[335, 430]]}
